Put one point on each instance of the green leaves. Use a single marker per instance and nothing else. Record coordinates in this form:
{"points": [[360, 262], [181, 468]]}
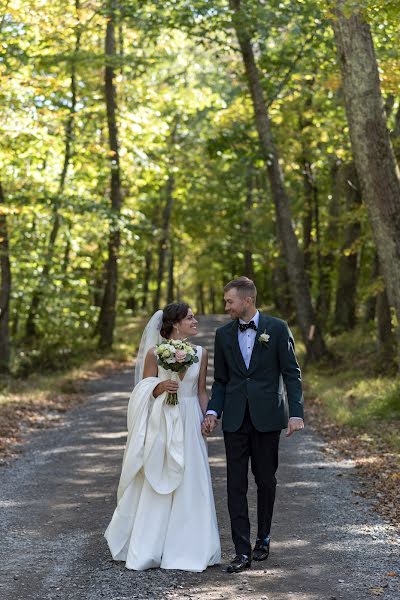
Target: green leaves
{"points": [[183, 110]]}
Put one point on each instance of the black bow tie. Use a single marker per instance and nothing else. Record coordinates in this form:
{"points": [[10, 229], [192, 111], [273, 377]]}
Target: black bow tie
{"points": [[250, 325]]}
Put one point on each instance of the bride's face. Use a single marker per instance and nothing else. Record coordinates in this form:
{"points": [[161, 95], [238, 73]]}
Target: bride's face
{"points": [[188, 326]]}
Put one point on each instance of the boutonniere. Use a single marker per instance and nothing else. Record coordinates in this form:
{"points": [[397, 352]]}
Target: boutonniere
{"points": [[264, 338]]}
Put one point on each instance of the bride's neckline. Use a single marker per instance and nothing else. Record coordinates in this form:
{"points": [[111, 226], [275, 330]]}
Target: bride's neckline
{"points": [[184, 372]]}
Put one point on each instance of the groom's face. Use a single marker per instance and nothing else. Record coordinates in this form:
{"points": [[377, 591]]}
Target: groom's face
{"points": [[236, 305]]}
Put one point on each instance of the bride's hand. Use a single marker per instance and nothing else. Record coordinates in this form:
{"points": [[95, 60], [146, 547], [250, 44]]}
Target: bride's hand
{"points": [[209, 424], [165, 386]]}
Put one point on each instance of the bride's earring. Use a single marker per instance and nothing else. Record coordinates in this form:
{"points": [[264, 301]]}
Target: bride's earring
{"points": [[177, 329]]}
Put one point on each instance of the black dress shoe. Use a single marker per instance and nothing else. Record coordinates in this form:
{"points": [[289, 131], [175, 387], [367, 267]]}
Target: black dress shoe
{"points": [[239, 563], [261, 549]]}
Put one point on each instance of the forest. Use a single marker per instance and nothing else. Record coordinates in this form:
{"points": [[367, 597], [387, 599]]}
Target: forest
{"points": [[152, 151]]}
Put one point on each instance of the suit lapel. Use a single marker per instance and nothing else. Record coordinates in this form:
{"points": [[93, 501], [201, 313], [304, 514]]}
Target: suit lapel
{"points": [[236, 348], [255, 355]]}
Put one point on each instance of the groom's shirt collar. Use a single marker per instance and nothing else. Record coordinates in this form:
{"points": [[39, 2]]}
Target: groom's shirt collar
{"points": [[256, 319]]}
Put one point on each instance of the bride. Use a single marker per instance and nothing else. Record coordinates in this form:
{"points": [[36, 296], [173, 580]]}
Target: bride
{"points": [[165, 515]]}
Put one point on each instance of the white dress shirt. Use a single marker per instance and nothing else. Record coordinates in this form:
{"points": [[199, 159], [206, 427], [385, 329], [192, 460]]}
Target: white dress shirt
{"points": [[247, 338]]}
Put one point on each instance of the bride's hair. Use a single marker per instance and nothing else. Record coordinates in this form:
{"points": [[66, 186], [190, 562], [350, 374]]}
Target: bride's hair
{"points": [[172, 313]]}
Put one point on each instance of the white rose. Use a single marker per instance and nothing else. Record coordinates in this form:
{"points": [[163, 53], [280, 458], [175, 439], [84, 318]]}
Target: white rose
{"points": [[264, 338]]}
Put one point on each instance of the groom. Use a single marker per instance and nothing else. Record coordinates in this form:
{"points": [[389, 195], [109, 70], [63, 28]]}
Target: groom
{"points": [[254, 359]]}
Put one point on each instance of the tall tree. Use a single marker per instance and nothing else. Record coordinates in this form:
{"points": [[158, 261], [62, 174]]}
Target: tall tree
{"points": [[329, 244], [348, 270], [5, 288], [306, 317], [248, 266], [370, 303], [373, 154], [164, 238], [108, 307], [171, 274], [30, 326], [310, 190], [385, 337], [148, 259]]}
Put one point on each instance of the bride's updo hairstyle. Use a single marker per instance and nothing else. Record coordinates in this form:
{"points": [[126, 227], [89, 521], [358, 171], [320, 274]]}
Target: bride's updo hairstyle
{"points": [[172, 314]]}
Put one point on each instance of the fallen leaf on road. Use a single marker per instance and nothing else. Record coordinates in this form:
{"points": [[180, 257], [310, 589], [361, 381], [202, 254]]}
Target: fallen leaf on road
{"points": [[378, 591]]}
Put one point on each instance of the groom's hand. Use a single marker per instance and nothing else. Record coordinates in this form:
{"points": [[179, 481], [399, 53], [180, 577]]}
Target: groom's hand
{"points": [[295, 424], [209, 424]]}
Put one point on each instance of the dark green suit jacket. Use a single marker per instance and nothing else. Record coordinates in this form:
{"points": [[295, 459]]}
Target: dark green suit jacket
{"points": [[272, 366]]}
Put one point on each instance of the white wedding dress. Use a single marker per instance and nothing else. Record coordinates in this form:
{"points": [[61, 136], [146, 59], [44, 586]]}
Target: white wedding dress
{"points": [[165, 515]]}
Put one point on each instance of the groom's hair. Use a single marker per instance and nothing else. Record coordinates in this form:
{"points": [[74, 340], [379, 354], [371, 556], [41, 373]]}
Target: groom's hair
{"points": [[244, 286]]}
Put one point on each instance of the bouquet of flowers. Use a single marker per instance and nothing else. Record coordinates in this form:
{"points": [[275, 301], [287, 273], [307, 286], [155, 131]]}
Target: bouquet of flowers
{"points": [[175, 356]]}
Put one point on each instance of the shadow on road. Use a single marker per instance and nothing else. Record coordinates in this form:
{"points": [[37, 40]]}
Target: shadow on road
{"points": [[57, 499]]}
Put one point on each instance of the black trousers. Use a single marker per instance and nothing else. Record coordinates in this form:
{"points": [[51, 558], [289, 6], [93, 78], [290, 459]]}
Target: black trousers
{"points": [[262, 449]]}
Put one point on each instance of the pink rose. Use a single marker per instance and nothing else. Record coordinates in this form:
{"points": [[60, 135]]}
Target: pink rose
{"points": [[180, 356]]}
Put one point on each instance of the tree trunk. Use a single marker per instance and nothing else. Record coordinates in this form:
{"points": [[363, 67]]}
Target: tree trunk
{"points": [[306, 317], [309, 190], [200, 298], [328, 256], [213, 300], [66, 259], [170, 291], [146, 277], [5, 289], [395, 135], [386, 339], [318, 253], [99, 277], [307, 215], [131, 301], [345, 309], [163, 244], [246, 227], [370, 140], [30, 327], [370, 305], [281, 295], [107, 315], [377, 305]]}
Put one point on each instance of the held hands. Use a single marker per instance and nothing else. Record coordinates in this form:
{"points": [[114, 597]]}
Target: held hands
{"points": [[165, 386], [209, 424], [295, 424]]}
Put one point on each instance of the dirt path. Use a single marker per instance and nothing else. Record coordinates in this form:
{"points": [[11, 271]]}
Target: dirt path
{"points": [[58, 497]]}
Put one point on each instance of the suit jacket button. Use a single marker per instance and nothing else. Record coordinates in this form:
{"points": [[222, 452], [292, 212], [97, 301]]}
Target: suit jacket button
{"points": [[247, 378]]}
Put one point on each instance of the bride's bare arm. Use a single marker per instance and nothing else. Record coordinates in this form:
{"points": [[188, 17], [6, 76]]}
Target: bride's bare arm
{"points": [[150, 369], [203, 396]]}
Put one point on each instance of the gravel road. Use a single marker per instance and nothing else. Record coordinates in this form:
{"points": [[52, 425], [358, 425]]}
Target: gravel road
{"points": [[57, 498]]}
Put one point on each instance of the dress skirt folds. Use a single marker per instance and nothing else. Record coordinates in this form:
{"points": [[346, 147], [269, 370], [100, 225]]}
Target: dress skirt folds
{"points": [[165, 515]]}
